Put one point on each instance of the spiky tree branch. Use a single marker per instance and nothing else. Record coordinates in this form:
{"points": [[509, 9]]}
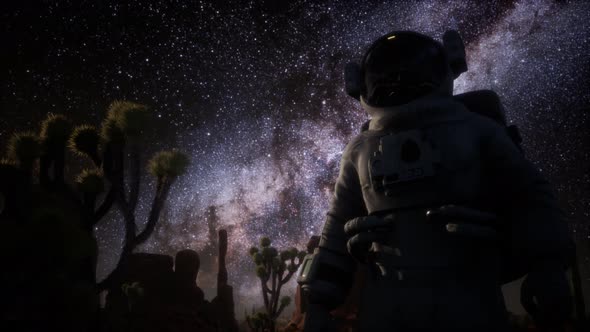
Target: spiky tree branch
{"points": [[85, 142], [105, 206], [55, 133], [90, 183], [166, 166], [135, 175], [157, 204]]}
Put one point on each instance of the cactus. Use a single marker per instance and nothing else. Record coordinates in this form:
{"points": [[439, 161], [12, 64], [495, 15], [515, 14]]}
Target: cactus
{"points": [[274, 269]]}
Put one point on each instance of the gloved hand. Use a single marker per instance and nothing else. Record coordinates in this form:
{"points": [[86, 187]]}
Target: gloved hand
{"points": [[363, 231], [546, 296], [458, 220], [464, 221]]}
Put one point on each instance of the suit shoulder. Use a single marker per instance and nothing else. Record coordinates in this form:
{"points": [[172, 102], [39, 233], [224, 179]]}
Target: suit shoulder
{"points": [[354, 144]]}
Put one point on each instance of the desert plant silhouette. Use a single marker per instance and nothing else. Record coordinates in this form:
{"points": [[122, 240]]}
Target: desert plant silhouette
{"points": [[59, 215], [274, 270]]}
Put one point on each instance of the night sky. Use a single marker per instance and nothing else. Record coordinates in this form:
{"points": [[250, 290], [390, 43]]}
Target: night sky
{"points": [[253, 92]]}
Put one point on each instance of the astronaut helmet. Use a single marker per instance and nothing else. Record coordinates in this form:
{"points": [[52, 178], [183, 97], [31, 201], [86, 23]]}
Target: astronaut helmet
{"points": [[404, 66], [401, 67]]}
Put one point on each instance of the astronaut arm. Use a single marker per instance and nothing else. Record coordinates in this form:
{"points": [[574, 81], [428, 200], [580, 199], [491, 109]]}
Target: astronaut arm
{"points": [[538, 237], [332, 267], [536, 229]]}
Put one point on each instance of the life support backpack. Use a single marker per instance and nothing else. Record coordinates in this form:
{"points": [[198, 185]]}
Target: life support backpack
{"points": [[488, 104]]}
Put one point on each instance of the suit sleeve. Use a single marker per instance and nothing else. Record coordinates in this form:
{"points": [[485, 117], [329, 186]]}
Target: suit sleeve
{"points": [[535, 224], [335, 267], [347, 203]]}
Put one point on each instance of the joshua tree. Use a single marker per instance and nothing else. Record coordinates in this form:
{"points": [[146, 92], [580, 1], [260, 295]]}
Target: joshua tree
{"points": [[120, 134], [116, 158], [274, 270], [48, 223]]}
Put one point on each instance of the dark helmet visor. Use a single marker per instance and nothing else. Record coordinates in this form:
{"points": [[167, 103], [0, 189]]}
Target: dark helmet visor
{"points": [[402, 67]]}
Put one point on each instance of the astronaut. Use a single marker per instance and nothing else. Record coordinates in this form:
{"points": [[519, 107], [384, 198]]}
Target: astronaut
{"points": [[435, 198]]}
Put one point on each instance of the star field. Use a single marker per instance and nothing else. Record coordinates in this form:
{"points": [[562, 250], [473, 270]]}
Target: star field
{"points": [[253, 91]]}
